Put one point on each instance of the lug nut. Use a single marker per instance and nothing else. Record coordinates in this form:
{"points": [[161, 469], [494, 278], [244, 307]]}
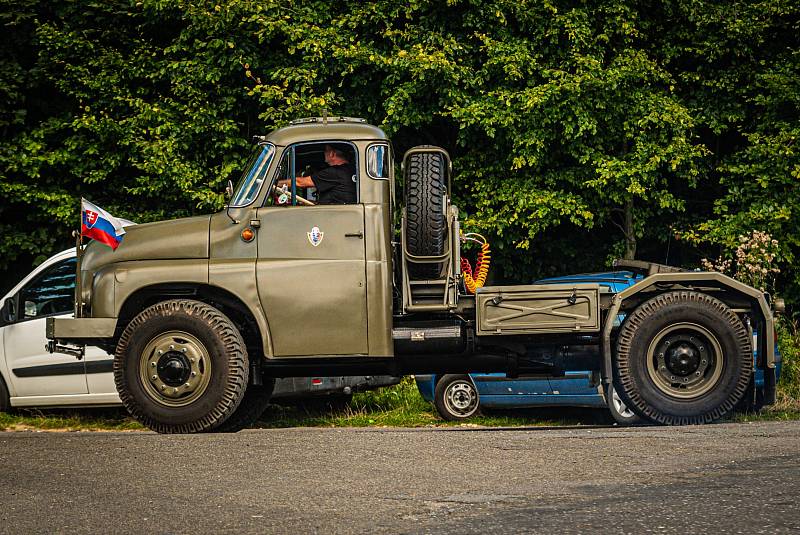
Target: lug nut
{"points": [[183, 350], [154, 378], [174, 390], [194, 374], [171, 347], [153, 364]]}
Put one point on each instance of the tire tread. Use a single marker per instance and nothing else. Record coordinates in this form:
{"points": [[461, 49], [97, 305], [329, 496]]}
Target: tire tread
{"points": [[625, 340], [237, 361], [426, 221]]}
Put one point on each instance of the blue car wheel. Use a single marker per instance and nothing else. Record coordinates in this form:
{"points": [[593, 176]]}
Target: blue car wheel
{"points": [[456, 397], [621, 413]]}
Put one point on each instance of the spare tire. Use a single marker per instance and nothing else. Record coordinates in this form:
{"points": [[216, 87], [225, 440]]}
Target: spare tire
{"points": [[426, 217]]}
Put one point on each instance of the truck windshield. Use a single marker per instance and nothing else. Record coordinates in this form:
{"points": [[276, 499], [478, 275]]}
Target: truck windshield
{"points": [[254, 175]]}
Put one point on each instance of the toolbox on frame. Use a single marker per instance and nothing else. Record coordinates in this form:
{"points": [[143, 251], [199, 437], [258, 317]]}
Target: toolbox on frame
{"points": [[537, 309]]}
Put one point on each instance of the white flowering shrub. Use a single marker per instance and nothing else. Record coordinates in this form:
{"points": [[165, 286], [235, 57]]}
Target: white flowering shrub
{"points": [[754, 261]]}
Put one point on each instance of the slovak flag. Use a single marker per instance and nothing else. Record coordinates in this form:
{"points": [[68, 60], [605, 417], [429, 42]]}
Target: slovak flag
{"points": [[99, 225]]}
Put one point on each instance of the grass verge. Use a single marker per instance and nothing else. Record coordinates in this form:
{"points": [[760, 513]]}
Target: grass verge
{"points": [[397, 406], [69, 420]]}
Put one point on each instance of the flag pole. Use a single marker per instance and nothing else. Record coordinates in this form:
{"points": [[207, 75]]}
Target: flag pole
{"points": [[78, 256]]}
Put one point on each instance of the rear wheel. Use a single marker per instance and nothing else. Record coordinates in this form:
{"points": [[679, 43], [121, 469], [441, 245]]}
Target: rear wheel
{"points": [[753, 400], [426, 218], [253, 404], [682, 358], [456, 397], [181, 367]]}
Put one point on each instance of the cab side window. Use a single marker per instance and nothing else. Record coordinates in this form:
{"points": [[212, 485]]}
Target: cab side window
{"points": [[322, 172], [378, 161], [52, 292]]}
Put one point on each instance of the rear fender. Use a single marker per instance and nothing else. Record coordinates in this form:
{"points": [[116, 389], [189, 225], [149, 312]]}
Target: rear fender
{"points": [[728, 290]]}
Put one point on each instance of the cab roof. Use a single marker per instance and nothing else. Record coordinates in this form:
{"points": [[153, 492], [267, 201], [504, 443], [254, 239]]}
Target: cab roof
{"points": [[324, 129]]}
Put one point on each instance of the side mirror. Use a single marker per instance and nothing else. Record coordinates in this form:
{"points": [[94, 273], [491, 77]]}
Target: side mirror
{"points": [[7, 311], [229, 194], [30, 309]]}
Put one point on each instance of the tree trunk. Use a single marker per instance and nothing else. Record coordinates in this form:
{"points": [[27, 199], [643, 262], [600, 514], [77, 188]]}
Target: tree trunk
{"points": [[630, 233]]}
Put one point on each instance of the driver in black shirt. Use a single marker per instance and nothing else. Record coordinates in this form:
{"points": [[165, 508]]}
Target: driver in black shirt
{"points": [[335, 184]]}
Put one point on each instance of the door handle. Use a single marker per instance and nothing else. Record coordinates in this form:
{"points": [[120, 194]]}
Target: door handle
{"points": [[358, 234]]}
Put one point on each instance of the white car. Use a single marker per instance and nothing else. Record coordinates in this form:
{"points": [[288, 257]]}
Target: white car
{"points": [[30, 376]]}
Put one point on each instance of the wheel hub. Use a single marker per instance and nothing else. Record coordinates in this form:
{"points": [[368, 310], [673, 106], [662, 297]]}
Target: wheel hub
{"points": [[173, 368], [462, 399], [684, 360]]}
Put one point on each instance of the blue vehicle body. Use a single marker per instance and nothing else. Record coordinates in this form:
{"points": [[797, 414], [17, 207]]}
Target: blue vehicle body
{"points": [[574, 389]]}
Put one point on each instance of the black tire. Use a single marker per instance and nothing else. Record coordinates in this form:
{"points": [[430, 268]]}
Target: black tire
{"points": [[618, 410], [5, 399], [682, 358], [181, 367], [752, 401], [456, 398], [426, 218], [253, 404]]}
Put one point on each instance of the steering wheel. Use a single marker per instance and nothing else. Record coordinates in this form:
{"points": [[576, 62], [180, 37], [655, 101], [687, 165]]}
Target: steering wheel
{"points": [[283, 196]]}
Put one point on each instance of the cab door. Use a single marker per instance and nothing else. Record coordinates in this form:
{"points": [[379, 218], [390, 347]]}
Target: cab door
{"points": [[311, 277]]}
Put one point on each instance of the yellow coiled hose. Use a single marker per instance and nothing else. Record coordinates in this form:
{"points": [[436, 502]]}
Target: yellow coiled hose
{"points": [[481, 266]]}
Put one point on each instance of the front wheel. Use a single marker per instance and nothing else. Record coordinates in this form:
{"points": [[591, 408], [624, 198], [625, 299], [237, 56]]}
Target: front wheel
{"points": [[682, 358], [181, 367], [5, 400], [456, 397]]}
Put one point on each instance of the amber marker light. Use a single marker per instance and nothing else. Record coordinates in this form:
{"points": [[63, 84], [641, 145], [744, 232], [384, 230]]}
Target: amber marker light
{"points": [[248, 234]]}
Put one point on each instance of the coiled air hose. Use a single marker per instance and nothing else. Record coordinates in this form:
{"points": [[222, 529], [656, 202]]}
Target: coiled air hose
{"points": [[481, 266]]}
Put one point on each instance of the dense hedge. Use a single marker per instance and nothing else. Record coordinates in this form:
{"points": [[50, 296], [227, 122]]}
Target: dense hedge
{"points": [[579, 131]]}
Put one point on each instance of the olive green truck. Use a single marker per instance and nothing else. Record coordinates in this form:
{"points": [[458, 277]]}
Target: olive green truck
{"points": [[203, 313]]}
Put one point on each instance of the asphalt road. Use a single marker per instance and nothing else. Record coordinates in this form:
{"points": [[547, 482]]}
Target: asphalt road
{"points": [[739, 478]]}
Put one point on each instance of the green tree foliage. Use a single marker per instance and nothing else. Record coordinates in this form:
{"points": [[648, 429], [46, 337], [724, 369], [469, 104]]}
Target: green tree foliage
{"points": [[578, 131]]}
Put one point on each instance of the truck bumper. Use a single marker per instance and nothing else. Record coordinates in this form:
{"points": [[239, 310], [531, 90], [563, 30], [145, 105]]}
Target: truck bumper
{"points": [[77, 329]]}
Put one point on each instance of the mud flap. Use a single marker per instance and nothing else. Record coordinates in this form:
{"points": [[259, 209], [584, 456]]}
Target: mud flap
{"points": [[769, 386]]}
